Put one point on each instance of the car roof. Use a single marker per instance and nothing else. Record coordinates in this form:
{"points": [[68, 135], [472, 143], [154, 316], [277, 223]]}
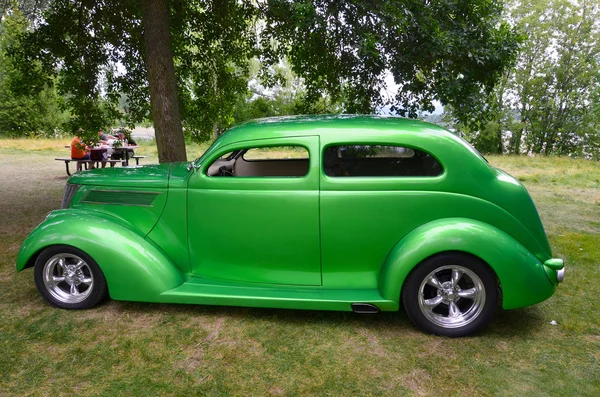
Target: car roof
{"points": [[330, 125], [354, 128]]}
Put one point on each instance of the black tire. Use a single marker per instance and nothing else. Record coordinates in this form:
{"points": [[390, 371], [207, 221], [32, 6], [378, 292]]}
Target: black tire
{"points": [[443, 311], [83, 285]]}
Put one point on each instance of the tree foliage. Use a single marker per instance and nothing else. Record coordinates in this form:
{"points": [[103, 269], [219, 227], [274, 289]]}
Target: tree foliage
{"points": [[96, 51], [284, 96], [450, 51], [214, 43], [30, 9], [558, 78], [444, 50], [23, 112], [549, 102]]}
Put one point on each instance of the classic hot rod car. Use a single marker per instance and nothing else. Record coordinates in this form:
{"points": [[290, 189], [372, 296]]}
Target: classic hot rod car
{"points": [[331, 213]]}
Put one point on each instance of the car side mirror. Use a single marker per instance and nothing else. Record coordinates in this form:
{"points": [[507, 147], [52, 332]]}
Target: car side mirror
{"points": [[192, 166]]}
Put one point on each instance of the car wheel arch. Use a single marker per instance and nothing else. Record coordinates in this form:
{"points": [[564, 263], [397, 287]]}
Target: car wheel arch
{"points": [[30, 262], [477, 239], [154, 272], [456, 252]]}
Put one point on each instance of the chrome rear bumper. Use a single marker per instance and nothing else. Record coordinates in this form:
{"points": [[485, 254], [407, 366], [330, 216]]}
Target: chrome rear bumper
{"points": [[559, 266], [560, 275]]}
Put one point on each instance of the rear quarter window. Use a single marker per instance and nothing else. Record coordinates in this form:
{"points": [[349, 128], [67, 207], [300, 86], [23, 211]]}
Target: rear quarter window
{"points": [[379, 161]]}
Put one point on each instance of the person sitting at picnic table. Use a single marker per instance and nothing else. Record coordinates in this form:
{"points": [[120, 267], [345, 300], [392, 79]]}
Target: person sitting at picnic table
{"points": [[121, 135], [103, 149], [104, 137], [107, 150], [120, 154], [79, 152]]}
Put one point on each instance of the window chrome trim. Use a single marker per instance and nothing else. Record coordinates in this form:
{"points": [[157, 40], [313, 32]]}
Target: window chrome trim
{"points": [[70, 190]]}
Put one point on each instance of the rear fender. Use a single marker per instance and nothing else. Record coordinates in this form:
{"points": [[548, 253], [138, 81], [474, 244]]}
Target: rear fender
{"points": [[521, 275], [135, 268]]}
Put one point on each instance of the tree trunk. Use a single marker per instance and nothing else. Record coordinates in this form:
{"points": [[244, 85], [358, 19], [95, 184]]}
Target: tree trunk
{"points": [[163, 82], [516, 141]]}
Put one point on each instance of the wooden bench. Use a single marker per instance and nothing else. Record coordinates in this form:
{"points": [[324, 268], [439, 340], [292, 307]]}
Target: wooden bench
{"points": [[67, 160], [111, 162], [137, 159]]}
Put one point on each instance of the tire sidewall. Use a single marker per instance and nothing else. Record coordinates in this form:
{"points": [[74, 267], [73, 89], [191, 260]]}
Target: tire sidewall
{"points": [[410, 293], [99, 289]]}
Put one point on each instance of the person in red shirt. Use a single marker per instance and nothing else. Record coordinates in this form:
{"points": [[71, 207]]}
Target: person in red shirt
{"points": [[79, 152]]}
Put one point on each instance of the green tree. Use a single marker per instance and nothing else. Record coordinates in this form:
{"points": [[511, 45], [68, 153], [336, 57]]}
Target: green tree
{"points": [[523, 84], [488, 135], [22, 112], [548, 103], [284, 96], [187, 59], [563, 89], [450, 51], [29, 8], [442, 50]]}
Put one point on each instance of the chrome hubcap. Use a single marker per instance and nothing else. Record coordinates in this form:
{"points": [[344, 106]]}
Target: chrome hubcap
{"points": [[68, 278], [451, 296]]}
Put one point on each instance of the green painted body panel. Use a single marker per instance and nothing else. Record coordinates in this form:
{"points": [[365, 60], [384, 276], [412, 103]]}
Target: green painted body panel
{"points": [[522, 276], [253, 229], [135, 269], [140, 217], [314, 242], [355, 256], [147, 176], [170, 232], [212, 292]]}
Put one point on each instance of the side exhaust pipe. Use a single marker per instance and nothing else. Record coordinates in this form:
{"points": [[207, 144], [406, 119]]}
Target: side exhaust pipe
{"points": [[364, 308]]}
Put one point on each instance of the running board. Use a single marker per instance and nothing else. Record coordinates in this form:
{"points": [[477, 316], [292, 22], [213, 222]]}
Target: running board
{"points": [[225, 293]]}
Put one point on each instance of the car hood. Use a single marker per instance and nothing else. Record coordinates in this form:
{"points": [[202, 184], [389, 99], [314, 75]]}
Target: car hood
{"points": [[147, 176]]}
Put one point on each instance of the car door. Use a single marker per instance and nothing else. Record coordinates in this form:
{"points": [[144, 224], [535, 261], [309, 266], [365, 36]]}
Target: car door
{"points": [[252, 228]]}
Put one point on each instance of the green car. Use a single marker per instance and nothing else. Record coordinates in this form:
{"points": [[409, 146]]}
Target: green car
{"points": [[349, 213]]}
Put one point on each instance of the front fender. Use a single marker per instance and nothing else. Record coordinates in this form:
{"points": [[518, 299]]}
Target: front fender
{"points": [[522, 276], [134, 268]]}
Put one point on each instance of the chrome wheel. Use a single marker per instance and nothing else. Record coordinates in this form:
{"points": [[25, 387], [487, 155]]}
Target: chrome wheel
{"points": [[451, 296], [68, 278]]}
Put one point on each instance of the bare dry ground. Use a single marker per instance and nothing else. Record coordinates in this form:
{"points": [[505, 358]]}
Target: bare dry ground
{"points": [[123, 348]]}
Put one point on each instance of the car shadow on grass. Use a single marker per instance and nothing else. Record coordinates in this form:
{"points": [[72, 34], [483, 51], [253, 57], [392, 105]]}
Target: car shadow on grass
{"points": [[511, 323], [521, 322]]}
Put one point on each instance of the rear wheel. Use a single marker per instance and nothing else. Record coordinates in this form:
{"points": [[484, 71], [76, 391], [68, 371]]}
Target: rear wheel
{"points": [[451, 294], [69, 278]]}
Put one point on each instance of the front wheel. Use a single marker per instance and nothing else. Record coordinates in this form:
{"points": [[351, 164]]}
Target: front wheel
{"points": [[69, 278], [451, 294]]}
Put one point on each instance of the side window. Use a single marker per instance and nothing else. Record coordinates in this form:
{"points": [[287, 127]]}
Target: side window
{"points": [[276, 153], [378, 160], [273, 161], [226, 156]]}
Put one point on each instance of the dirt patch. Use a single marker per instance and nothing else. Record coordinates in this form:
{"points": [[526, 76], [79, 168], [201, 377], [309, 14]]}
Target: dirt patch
{"points": [[417, 381], [374, 346], [214, 334]]}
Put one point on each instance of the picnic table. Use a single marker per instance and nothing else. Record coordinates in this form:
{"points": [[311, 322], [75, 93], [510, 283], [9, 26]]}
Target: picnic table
{"points": [[122, 149], [124, 162]]}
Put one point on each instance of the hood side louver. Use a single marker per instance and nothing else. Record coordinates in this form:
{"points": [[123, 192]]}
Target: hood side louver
{"points": [[120, 197]]}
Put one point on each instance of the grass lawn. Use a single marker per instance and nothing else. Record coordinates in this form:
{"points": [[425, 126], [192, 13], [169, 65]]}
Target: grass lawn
{"points": [[123, 348]]}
